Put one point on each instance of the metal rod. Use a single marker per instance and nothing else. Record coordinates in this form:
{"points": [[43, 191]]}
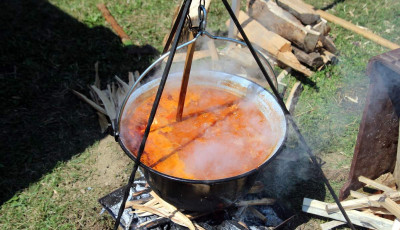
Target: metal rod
{"points": [[153, 110], [287, 113]]}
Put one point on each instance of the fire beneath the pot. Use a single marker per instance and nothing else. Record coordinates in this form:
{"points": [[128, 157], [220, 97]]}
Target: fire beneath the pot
{"points": [[221, 135]]}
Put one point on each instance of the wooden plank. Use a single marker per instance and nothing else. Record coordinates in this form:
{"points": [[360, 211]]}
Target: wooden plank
{"points": [[356, 194], [375, 184], [369, 201], [277, 20], [331, 224], [300, 10], [358, 218], [391, 206]]}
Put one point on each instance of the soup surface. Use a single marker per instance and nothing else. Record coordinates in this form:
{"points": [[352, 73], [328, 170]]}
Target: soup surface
{"points": [[221, 135]]}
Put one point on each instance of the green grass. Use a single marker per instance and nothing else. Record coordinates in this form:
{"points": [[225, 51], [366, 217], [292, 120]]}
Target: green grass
{"points": [[50, 138]]}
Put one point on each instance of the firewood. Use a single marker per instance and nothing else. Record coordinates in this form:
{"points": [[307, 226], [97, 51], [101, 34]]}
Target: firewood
{"points": [[257, 214], [288, 59], [274, 44], [356, 194], [369, 201], [313, 59], [264, 201], [282, 75], [328, 57], [376, 211], [266, 39], [328, 44], [174, 211], [257, 187], [322, 27], [300, 10], [358, 218], [294, 96], [375, 184], [277, 20], [390, 205], [232, 31]]}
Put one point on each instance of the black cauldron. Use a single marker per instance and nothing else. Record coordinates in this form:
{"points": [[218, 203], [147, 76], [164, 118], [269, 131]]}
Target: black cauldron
{"points": [[207, 195]]}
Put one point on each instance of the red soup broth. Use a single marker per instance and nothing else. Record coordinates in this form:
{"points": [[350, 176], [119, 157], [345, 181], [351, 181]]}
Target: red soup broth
{"points": [[221, 135]]}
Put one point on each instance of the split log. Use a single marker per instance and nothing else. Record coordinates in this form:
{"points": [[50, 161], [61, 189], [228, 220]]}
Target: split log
{"points": [[328, 44], [313, 59], [375, 184], [294, 96], [328, 57], [322, 27], [274, 44], [357, 195], [358, 218], [300, 10], [369, 201], [258, 34], [277, 20], [391, 206]]}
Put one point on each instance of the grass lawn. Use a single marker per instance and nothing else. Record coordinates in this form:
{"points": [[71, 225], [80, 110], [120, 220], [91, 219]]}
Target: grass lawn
{"points": [[55, 164]]}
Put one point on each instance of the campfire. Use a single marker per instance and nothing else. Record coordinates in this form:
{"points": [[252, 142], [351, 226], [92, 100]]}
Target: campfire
{"points": [[145, 210]]}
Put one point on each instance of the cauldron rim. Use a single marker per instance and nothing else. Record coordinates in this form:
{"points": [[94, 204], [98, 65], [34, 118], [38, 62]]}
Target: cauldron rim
{"points": [[221, 180]]}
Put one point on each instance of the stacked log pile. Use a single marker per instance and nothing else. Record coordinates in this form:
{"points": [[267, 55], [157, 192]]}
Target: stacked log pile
{"points": [[290, 31]]}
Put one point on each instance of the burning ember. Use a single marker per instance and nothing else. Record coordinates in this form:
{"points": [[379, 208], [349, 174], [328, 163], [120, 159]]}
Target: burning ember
{"points": [[221, 134]]}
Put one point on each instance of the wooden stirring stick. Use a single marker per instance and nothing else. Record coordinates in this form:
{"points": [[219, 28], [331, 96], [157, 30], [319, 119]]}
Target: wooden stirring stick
{"points": [[185, 77]]}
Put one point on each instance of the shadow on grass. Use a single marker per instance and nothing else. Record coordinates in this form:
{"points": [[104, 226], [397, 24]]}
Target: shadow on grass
{"points": [[44, 53]]}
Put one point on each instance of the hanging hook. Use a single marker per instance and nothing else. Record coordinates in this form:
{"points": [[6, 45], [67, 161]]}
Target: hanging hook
{"points": [[202, 17]]}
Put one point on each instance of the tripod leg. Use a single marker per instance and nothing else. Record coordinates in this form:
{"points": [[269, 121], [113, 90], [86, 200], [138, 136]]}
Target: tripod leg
{"points": [[164, 77], [287, 113]]}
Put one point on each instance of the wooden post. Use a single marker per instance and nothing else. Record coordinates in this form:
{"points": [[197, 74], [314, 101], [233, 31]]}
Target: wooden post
{"points": [[367, 34], [232, 28]]}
